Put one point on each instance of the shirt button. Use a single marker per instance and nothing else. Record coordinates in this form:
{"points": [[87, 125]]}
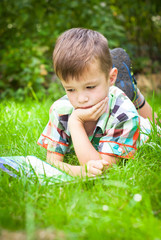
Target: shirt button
{"points": [[119, 149]]}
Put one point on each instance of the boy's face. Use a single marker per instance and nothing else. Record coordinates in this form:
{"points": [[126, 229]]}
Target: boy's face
{"points": [[91, 88]]}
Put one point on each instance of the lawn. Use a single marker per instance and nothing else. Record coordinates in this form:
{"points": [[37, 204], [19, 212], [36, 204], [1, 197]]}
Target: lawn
{"points": [[126, 204]]}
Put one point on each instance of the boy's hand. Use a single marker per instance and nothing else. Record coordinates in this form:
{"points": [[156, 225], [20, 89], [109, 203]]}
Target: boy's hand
{"points": [[94, 168], [90, 114]]}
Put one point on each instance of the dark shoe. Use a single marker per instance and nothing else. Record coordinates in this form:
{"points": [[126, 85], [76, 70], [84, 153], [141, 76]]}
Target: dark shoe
{"points": [[125, 80]]}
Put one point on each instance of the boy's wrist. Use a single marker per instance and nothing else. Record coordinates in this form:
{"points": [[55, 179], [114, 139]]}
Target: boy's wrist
{"points": [[79, 171], [74, 121]]}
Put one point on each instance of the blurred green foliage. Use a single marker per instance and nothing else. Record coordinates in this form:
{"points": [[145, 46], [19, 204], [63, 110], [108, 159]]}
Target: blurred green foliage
{"points": [[29, 29]]}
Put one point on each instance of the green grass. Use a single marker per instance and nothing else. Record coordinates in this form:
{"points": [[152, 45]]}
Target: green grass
{"points": [[100, 209]]}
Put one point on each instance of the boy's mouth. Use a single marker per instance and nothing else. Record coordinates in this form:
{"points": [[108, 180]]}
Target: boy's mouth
{"points": [[84, 107]]}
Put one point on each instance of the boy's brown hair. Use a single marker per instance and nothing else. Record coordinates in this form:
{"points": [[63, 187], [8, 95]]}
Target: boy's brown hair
{"points": [[76, 48]]}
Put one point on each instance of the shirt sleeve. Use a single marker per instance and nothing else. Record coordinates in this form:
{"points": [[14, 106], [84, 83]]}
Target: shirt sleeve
{"points": [[121, 140], [54, 137]]}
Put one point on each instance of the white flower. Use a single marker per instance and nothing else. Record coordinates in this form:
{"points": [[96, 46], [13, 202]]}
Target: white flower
{"points": [[137, 197], [29, 113], [105, 208]]}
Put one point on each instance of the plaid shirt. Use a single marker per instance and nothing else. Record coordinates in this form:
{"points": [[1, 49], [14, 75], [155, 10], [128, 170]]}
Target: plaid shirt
{"points": [[118, 131]]}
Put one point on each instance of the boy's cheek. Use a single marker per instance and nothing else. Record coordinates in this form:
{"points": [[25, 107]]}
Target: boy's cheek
{"points": [[72, 102]]}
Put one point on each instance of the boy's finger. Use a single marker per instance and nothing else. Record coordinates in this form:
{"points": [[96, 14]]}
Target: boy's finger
{"points": [[98, 165], [95, 170], [101, 103], [97, 112], [91, 175], [104, 162], [103, 106]]}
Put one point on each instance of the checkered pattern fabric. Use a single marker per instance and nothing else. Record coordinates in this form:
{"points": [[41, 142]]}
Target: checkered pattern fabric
{"points": [[118, 131]]}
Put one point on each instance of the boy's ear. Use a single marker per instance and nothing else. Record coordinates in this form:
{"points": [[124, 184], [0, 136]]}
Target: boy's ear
{"points": [[113, 76]]}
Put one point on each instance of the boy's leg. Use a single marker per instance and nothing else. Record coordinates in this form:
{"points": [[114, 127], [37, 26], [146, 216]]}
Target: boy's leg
{"points": [[143, 107], [147, 112], [139, 101]]}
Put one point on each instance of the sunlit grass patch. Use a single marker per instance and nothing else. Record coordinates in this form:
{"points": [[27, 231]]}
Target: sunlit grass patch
{"points": [[124, 205]]}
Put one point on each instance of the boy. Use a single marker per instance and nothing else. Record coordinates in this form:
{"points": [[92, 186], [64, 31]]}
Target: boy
{"points": [[97, 117]]}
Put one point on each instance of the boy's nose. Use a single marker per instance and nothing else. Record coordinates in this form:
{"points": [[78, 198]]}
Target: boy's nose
{"points": [[82, 98]]}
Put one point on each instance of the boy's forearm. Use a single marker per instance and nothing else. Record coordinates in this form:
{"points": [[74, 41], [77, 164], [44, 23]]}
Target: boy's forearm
{"points": [[83, 147], [69, 169], [56, 161]]}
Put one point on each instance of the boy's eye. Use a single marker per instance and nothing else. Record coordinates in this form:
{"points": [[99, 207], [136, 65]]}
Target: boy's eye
{"points": [[91, 87], [70, 90]]}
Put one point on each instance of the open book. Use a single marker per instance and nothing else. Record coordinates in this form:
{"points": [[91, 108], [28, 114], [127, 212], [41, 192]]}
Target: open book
{"points": [[31, 165]]}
